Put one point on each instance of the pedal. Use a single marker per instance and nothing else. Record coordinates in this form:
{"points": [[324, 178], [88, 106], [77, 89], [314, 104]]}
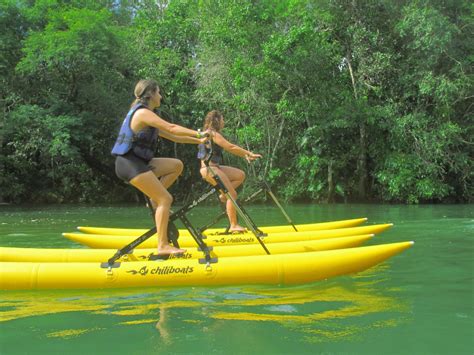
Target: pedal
{"points": [[211, 261], [106, 265]]}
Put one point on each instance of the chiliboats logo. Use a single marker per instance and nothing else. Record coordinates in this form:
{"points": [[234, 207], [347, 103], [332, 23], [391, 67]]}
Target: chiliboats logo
{"points": [[234, 240], [162, 270]]}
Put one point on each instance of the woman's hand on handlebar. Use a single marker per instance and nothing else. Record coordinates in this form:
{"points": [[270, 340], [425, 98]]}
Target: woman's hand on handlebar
{"points": [[205, 136]]}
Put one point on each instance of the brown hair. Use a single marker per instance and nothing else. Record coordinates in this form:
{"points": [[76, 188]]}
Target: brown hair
{"points": [[213, 120], [144, 90]]}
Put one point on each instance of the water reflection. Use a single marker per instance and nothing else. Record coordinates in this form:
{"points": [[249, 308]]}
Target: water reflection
{"points": [[324, 311], [162, 328]]}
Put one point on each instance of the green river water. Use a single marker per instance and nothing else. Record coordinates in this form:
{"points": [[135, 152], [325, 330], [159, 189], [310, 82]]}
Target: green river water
{"points": [[418, 302]]}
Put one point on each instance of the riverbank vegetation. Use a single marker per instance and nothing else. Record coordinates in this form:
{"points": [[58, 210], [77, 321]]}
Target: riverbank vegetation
{"points": [[346, 100]]}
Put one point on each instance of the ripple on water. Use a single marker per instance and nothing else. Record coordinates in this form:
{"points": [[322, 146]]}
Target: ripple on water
{"points": [[241, 296], [284, 308]]}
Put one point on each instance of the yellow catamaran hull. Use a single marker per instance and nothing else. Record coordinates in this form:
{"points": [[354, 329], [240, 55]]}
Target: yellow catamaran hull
{"points": [[270, 229], [119, 241], [267, 269], [102, 255]]}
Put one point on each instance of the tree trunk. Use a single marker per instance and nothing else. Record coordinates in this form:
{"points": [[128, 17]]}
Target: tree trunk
{"points": [[331, 186], [362, 158], [362, 162], [275, 147]]}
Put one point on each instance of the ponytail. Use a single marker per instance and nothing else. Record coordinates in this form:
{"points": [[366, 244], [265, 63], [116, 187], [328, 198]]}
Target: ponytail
{"points": [[144, 90]]}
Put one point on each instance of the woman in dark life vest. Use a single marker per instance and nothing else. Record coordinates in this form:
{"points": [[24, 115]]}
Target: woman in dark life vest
{"points": [[230, 176], [135, 162]]}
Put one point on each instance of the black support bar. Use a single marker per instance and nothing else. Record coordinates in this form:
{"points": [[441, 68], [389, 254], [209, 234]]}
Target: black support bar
{"points": [[180, 214]]}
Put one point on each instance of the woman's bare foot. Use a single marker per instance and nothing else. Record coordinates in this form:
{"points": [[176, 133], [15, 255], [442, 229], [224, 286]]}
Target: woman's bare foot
{"points": [[237, 229], [169, 250], [222, 198]]}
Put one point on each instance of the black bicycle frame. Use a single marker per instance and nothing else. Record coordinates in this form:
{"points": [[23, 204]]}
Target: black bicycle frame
{"points": [[180, 214]]}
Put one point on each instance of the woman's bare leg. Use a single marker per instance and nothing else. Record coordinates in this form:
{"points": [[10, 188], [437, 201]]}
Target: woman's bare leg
{"points": [[167, 170], [236, 177], [149, 184], [230, 208]]}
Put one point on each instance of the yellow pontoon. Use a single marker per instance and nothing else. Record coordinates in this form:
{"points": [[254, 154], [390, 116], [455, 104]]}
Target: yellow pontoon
{"points": [[119, 241], [265, 269]]}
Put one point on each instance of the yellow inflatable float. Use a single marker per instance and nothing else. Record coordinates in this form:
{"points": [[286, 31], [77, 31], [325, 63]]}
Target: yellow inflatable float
{"points": [[262, 269], [102, 255], [105, 241], [214, 231]]}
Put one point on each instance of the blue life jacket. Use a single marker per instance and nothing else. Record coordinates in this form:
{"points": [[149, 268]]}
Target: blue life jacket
{"points": [[216, 154], [142, 143]]}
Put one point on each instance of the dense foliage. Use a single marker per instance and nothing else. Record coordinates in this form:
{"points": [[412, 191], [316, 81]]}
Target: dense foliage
{"points": [[346, 100]]}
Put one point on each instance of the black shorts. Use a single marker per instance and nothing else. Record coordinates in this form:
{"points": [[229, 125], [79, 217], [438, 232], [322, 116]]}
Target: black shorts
{"points": [[129, 166]]}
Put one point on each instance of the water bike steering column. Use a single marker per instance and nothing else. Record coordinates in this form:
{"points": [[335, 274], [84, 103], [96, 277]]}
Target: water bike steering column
{"points": [[238, 207]]}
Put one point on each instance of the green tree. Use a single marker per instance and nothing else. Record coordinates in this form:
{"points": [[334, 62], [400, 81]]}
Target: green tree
{"points": [[346, 100], [431, 133], [75, 66]]}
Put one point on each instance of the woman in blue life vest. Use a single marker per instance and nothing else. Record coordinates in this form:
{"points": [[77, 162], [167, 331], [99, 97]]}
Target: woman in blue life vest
{"points": [[135, 162], [230, 176]]}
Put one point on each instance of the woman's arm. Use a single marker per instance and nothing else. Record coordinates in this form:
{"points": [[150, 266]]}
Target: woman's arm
{"points": [[233, 148], [144, 118], [181, 139]]}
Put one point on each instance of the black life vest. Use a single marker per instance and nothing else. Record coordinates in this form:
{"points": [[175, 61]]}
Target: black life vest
{"points": [[216, 152], [142, 143]]}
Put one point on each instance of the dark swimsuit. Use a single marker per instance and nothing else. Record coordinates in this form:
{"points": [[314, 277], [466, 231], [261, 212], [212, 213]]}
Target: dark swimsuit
{"points": [[129, 166], [217, 158]]}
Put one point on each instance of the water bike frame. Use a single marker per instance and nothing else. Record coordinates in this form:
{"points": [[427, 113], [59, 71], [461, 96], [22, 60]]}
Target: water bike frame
{"points": [[173, 233]]}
